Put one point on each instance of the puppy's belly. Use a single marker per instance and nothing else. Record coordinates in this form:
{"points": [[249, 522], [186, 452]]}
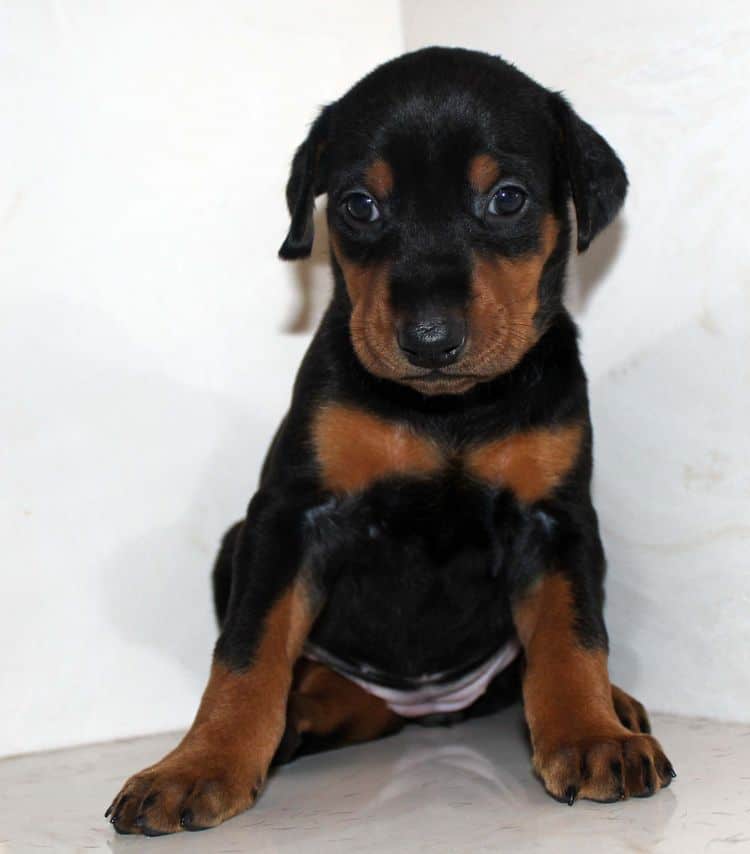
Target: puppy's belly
{"points": [[415, 579]]}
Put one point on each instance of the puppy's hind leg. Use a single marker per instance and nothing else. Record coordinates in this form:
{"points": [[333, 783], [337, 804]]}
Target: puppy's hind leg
{"points": [[327, 710]]}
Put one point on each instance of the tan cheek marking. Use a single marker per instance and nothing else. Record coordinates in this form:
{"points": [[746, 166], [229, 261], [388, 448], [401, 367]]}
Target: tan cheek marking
{"points": [[567, 693], [506, 299], [484, 171], [371, 323], [379, 178], [530, 464], [361, 281], [354, 449]]}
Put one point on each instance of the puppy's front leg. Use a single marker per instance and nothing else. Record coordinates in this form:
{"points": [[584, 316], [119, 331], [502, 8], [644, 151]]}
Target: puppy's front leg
{"points": [[220, 766], [581, 749]]}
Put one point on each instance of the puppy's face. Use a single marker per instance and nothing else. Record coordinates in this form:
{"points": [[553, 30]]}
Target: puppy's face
{"points": [[443, 225], [447, 186]]}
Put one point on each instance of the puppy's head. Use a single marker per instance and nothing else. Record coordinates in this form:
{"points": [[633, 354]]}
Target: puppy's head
{"points": [[448, 174]]}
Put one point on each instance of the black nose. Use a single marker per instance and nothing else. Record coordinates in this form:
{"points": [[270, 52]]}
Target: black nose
{"points": [[432, 341]]}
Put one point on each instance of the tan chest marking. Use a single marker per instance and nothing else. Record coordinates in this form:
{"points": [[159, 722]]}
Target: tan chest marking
{"points": [[354, 449], [530, 464]]}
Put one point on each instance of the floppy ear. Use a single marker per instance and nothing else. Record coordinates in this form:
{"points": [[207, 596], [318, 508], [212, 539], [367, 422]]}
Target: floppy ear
{"points": [[306, 181], [597, 178]]}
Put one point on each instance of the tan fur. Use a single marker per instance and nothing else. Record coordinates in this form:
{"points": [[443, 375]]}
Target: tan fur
{"points": [[324, 703], [505, 299], [371, 325], [379, 178], [630, 712], [580, 746], [530, 464], [220, 765], [565, 685], [258, 693], [354, 449], [484, 172], [504, 302]]}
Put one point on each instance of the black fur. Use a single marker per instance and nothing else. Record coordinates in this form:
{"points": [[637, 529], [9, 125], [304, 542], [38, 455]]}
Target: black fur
{"points": [[598, 181], [303, 186], [419, 576]]}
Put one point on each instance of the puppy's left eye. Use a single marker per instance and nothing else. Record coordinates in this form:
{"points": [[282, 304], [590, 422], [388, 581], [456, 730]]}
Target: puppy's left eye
{"points": [[361, 208], [507, 200]]}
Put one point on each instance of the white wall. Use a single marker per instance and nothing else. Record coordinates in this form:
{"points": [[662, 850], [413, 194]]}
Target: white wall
{"points": [[664, 304], [144, 355], [143, 315]]}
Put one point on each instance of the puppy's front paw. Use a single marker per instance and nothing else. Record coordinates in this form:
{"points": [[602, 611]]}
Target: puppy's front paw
{"points": [[183, 793], [604, 768], [630, 712]]}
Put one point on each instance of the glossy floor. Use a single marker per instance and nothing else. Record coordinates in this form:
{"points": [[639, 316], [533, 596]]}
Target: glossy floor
{"points": [[464, 789]]}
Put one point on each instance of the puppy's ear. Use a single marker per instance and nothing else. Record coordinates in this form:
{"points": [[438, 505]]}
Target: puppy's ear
{"points": [[306, 181], [597, 178]]}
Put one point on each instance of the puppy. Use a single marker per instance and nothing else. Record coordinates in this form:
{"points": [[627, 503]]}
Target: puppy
{"points": [[422, 539]]}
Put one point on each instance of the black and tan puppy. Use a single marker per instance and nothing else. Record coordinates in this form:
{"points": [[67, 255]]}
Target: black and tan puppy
{"points": [[423, 536]]}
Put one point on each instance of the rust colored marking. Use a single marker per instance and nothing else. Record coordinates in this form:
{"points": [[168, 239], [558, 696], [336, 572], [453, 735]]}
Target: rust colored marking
{"points": [[501, 314], [566, 688], [371, 325], [505, 301], [379, 178], [484, 171], [218, 768], [581, 747], [630, 712], [324, 703], [245, 710], [530, 464], [354, 449]]}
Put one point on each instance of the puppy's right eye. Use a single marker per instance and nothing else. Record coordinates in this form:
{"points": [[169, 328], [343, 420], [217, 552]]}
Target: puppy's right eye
{"points": [[361, 208]]}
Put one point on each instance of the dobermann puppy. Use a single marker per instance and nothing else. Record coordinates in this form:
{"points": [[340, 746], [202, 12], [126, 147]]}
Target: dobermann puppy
{"points": [[423, 537]]}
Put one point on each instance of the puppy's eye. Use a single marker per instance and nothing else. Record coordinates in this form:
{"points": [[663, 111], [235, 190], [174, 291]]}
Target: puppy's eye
{"points": [[361, 208], [508, 200]]}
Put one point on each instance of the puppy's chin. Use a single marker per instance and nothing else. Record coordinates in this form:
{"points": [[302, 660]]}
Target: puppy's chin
{"points": [[430, 383], [438, 383]]}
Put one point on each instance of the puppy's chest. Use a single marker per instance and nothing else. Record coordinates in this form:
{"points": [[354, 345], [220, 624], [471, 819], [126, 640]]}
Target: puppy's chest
{"points": [[355, 450], [415, 575], [415, 550]]}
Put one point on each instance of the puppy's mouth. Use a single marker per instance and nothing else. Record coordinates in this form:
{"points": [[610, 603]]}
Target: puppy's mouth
{"points": [[438, 375], [440, 382]]}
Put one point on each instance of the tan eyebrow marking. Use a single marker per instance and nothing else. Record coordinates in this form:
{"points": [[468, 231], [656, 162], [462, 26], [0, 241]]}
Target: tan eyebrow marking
{"points": [[379, 178], [484, 171]]}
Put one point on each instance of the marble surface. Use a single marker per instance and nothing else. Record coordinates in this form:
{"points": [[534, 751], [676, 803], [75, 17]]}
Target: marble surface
{"points": [[465, 789], [662, 298], [144, 158]]}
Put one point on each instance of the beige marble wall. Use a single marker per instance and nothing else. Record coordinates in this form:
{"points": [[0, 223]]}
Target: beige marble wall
{"points": [[144, 317], [142, 312], [663, 299]]}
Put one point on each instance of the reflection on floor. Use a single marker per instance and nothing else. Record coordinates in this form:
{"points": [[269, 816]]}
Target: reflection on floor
{"points": [[464, 789]]}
